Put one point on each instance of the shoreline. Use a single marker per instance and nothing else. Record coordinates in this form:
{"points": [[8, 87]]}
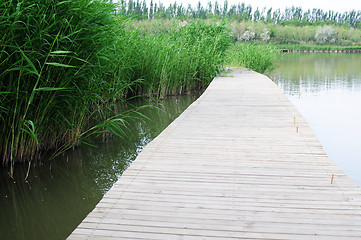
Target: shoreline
{"points": [[319, 51]]}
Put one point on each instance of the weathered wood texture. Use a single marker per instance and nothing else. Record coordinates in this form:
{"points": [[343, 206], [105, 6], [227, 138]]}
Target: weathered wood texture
{"points": [[239, 163]]}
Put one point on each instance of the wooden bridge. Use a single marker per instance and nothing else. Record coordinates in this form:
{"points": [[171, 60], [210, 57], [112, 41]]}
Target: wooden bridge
{"points": [[239, 163]]}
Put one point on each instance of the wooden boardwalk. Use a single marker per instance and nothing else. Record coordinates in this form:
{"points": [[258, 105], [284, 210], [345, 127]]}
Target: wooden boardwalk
{"points": [[239, 163]]}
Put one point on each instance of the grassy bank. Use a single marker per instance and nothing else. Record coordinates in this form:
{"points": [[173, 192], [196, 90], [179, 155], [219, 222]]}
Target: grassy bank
{"points": [[63, 64], [304, 47]]}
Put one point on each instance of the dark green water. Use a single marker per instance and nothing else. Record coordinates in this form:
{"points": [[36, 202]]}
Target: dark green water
{"points": [[59, 193], [326, 89]]}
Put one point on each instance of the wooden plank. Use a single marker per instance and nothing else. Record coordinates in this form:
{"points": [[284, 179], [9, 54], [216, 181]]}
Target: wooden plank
{"points": [[239, 163], [226, 232]]}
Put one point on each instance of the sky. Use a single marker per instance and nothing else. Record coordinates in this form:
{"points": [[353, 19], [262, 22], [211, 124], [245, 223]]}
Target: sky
{"points": [[335, 5]]}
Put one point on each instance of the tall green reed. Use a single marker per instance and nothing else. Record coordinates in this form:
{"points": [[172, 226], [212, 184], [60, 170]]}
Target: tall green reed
{"points": [[257, 57], [64, 63], [57, 72], [186, 57]]}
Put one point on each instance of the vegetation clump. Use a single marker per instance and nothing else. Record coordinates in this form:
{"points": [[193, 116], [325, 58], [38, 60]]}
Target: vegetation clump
{"points": [[63, 64], [187, 56], [325, 34], [257, 57], [51, 54]]}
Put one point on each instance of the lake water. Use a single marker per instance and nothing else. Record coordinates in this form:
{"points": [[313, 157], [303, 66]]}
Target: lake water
{"points": [[326, 89]]}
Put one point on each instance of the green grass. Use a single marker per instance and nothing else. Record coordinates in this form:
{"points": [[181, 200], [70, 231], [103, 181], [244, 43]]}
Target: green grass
{"points": [[261, 58]]}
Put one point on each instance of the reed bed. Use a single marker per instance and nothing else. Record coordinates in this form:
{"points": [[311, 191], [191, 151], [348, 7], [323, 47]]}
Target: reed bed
{"points": [[186, 58], [64, 63], [261, 58]]}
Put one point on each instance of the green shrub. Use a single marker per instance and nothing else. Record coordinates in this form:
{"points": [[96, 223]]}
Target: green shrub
{"points": [[346, 43]]}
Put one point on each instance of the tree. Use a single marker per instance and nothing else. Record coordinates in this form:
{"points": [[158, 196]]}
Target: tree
{"points": [[290, 16], [276, 16], [256, 15], [123, 7], [216, 8], [225, 8], [144, 10], [138, 10], [130, 7], [209, 9], [151, 9], [269, 16], [249, 12], [180, 11]]}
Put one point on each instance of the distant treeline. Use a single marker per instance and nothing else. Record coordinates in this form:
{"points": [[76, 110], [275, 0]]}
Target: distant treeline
{"points": [[290, 16]]}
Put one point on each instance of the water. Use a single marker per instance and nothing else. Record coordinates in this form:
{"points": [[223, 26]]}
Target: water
{"points": [[326, 89], [59, 193]]}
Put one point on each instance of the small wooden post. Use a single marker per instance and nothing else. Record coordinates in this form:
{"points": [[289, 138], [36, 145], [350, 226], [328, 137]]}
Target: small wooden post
{"points": [[332, 178]]}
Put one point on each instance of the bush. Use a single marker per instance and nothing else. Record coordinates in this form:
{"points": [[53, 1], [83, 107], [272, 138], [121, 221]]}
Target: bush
{"points": [[248, 36], [265, 37], [325, 34], [346, 43]]}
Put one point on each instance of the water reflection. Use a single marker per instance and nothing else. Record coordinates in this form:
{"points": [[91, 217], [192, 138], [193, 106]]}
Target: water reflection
{"points": [[58, 194], [326, 89]]}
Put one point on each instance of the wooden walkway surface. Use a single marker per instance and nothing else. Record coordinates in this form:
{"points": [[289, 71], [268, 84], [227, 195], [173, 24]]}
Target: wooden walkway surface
{"points": [[239, 163]]}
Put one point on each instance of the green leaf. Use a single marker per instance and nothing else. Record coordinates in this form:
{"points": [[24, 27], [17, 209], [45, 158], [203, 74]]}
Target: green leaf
{"points": [[34, 70], [48, 89], [87, 143], [29, 128], [59, 65], [60, 52]]}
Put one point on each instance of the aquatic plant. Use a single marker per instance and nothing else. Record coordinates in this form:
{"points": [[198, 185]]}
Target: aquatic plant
{"points": [[56, 73], [64, 63], [186, 57]]}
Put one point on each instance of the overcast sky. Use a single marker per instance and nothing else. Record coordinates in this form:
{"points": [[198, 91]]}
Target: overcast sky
{"points": [[336, 5]]}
